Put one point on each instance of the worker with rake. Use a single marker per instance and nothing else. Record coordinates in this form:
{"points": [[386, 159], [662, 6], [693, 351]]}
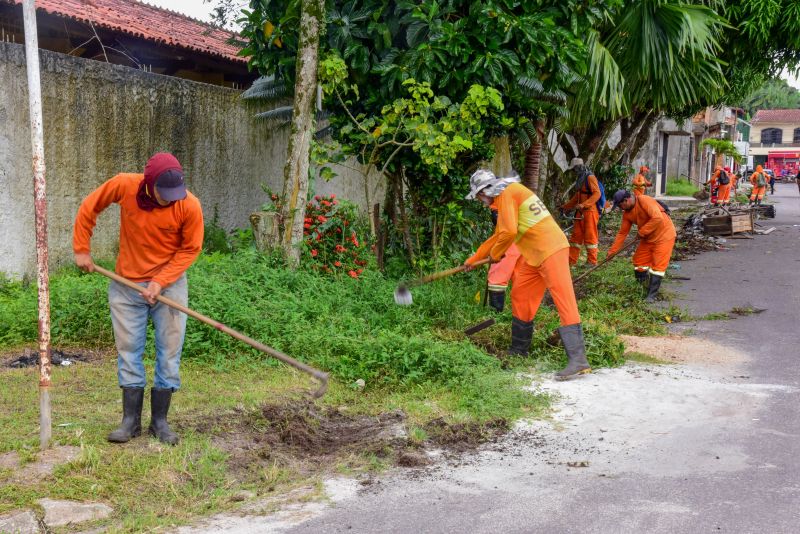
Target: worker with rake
{"points": [[584, 201], [161, 234], [640, 181], [522, 218], [656, 233]]}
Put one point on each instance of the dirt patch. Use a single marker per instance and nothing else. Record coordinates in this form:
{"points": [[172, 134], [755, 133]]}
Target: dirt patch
{"points": [[461, 437], [308, 439], [65, 357], [680, 349], [43, 466]]}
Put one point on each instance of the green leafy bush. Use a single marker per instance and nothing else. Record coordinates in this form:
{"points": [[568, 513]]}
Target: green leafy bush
{"points": [[331, 242]]}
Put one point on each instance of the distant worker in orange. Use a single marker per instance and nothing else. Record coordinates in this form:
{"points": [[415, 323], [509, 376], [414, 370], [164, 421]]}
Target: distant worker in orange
{"points": [[721, 181], [656, 233], [587, 216], [640, 181], [759, 179], [543, 265]]}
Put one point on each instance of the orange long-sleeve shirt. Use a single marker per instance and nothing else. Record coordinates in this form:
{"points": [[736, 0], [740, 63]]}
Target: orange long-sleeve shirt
{"points": [[522, 218], [584, 199], [654, 224], [157, 245], [640, 183]]}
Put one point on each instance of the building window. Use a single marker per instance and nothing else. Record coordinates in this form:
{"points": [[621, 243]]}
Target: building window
{"points": [[796, 140], [772, 135]]}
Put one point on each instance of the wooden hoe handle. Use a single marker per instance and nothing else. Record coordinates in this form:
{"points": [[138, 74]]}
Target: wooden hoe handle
{"points": [[444, 274], [316, 373]]}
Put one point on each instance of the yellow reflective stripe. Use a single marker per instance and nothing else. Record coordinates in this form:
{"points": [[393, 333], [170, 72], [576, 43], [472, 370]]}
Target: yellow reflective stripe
{"points": [[658, 273], [497, 287], [591, 246], [575, 245], [641, 267], [532, 211]]}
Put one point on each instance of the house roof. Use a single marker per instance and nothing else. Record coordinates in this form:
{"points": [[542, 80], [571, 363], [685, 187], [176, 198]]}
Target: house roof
{"points": [[785, 116], [145, 22]]}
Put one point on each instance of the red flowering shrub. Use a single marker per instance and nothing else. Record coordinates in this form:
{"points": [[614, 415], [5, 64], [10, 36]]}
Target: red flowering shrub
{"points": [[331, 243]]}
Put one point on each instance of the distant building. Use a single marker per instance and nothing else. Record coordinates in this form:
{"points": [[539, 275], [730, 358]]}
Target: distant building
{"points": [[718, 123], [133, 34], [776, 139]]}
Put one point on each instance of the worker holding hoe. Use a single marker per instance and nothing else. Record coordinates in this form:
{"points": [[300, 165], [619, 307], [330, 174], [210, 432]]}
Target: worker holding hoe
{"points": [[584, 201], [161, 234], [657, 235], [522, 218], [640, 181]]}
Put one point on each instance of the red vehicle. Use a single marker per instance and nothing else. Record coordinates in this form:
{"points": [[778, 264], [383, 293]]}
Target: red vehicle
{"points": [[783, 164]]}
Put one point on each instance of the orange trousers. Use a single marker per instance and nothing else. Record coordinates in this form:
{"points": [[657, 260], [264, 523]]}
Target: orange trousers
{"points": [[653, 257], [724, 194], [501, 272], [585, 233], [530, 283], [758, 192]]}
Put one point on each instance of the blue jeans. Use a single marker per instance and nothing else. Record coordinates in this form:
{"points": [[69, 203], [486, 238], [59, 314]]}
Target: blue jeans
{"points": [[129, 315]]}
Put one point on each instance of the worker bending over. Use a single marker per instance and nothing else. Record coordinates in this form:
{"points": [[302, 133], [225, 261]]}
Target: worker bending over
{"points": [[721, 181], [656, 233], [640, 181], [522, 218], [584, 201]]}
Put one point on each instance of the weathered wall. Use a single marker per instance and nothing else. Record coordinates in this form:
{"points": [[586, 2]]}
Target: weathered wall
{"points": [[101, 119]]}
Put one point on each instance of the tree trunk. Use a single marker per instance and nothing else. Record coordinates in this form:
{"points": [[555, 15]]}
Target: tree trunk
{"points": [[533, 156], [501, 163], [641, 137], [295, 180]]}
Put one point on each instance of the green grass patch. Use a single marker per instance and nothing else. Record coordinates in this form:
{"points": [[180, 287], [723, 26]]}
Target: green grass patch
{"points": [[681, 188]]}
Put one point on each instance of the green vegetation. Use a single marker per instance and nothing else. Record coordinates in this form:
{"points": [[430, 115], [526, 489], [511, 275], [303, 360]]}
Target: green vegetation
{"points": [[772, 94], [681, 188]]}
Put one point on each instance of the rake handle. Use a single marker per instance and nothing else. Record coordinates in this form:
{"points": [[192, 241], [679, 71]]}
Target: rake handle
{"points": [[444, 274], [608, 259], [316, 373]]}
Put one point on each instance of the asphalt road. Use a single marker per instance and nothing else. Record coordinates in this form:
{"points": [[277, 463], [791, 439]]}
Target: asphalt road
{"points": [[705, 447]]}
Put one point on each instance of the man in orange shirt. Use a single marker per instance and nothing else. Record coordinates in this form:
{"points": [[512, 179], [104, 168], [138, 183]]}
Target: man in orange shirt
{"points": [[584, 232], [160, 236], [657, 235], [522, 218], [500, 274], [640, 181]]}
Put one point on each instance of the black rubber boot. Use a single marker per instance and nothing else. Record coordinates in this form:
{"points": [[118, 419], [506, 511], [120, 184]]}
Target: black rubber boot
{"points": [[655, 285], [159, 407], [497, 300], [131, 416], [641, 276], [521, 336], [572, 339]]}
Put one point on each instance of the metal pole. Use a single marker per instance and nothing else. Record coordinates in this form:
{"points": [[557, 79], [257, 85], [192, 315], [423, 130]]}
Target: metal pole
{"points": [[40, 206]]}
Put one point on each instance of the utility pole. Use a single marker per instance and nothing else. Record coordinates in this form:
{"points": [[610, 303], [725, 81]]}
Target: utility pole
{"points": [[40, 207]]}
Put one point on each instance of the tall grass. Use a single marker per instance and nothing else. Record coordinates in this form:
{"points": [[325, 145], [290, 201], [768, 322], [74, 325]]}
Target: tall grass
{"points": [[681, 188]]}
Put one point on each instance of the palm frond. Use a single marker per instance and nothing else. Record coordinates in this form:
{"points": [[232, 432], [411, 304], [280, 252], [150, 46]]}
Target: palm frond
{"points": [[267, 88], [282, 115]]}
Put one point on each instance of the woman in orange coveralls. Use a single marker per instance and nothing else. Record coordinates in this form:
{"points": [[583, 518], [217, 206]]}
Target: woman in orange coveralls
{"points": [[522, 218], [657, 234], [640, 181]]}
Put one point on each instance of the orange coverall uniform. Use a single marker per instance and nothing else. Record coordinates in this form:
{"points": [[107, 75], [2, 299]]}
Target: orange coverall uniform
{"points": [[584, 232], [544, 261], [157, 245], [640, 184], [657, 234], [723, 190], [758, 192]]}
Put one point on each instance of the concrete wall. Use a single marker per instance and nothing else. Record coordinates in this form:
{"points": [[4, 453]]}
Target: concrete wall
{"points": [[787, 129], [101, 119]]}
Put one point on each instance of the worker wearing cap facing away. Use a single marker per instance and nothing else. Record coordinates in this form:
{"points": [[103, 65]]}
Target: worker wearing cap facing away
{"points": [[161, 234], [522, 218], [656, 233], [759, 179], [640, 181], [584, 201]]}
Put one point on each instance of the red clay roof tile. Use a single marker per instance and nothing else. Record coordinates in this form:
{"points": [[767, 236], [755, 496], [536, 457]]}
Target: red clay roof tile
{"points": [[146, 22], [789, 116]]}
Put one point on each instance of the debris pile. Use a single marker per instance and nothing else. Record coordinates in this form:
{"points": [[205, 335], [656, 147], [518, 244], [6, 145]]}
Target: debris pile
{"points": [[30, 358]]}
